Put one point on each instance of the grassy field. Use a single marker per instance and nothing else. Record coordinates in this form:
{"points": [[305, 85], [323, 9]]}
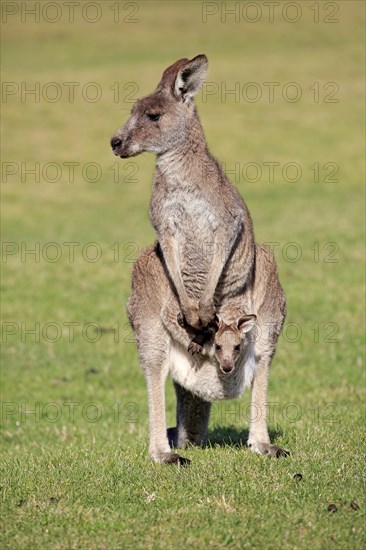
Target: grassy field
{"points": [[75, 472]]}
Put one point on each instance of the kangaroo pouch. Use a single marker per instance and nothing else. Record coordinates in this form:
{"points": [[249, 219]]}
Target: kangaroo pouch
{"points": [[201, 375]]}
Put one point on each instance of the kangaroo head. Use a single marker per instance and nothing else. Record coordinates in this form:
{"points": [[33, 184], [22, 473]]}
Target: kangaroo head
{"points": [[230, 341], [161, 121]]}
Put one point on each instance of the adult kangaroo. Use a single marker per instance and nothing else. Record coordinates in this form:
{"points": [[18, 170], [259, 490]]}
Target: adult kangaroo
{"points": [[203, 226], [206, 247]]}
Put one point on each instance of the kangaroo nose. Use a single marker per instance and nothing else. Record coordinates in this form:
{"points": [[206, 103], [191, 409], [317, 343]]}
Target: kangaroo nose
{"points": [[227, 367], [116, 142]]}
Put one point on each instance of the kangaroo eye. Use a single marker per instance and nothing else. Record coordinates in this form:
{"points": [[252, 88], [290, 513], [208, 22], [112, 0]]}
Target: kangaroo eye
{"points": [[218, 347], [153, 116], [237, 348]]}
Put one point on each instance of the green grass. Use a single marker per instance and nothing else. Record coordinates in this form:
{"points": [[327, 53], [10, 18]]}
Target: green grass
{"points": [[71, 482]]}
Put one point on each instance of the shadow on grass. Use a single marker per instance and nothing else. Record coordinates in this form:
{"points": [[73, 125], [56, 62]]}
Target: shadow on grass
{"points": [[232, 437]]}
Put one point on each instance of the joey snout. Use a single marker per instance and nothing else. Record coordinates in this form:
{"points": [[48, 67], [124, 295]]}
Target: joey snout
{"points": [[227, 366]]}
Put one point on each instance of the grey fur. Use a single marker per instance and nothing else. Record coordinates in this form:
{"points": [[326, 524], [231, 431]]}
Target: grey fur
{"points": [[163, 348], [202, 224], [205, 263]]}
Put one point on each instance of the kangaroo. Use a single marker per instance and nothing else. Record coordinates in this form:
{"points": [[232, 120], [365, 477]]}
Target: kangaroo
{"points": [[203, 226], [163, 340], [225, 339], [206, 250]]}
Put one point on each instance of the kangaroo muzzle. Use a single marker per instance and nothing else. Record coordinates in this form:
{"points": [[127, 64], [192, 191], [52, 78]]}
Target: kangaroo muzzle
{"points": [[119, 146], [227, 367]]}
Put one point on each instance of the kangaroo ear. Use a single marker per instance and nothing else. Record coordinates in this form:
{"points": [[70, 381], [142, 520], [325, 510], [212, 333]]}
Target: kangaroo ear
{"points": [[168, 79], [246, 323], [217, 321], [190, 77]]}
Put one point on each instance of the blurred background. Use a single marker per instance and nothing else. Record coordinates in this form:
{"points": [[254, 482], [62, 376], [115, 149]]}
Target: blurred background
{"points": [[69, 84], [283, 109]]}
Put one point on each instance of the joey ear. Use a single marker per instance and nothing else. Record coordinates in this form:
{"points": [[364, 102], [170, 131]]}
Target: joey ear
{"points": [[217, 322], [246, 323], [190, 77]]}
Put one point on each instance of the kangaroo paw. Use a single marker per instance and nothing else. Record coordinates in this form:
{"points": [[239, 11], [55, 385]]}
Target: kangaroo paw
{"points": [[194, 347]]}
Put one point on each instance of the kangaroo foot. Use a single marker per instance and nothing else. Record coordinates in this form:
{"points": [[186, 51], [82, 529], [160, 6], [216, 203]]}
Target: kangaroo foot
{"points": [[268, 449], [174, 458]]}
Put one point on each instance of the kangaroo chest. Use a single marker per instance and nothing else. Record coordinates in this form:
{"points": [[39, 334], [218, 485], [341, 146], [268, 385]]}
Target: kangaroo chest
{"points": [[184, 214], [185, 210]]}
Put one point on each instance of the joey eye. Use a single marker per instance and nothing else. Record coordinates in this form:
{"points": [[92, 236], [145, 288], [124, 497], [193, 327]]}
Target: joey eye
{"points": [[153, 116], [237, 348], [218, 347]]}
